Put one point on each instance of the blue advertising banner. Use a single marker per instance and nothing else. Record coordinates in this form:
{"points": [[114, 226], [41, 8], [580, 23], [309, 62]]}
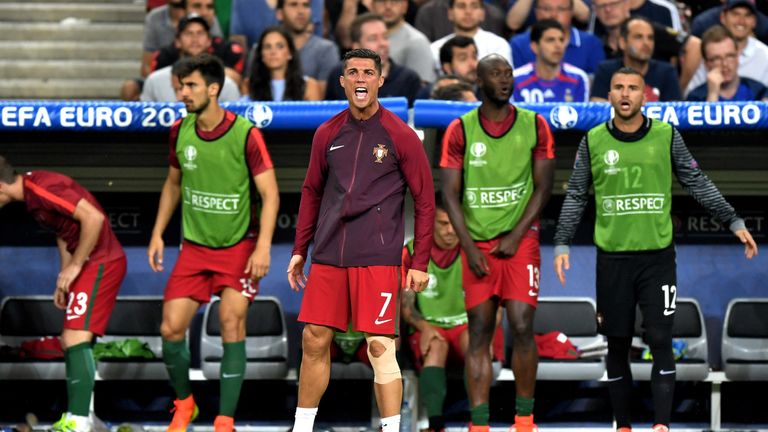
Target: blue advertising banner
{"points": [[104, 116], [585, 116]]}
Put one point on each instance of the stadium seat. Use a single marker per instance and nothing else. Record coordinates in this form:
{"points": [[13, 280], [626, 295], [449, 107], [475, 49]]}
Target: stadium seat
{"points": [[745, 340], [689, 327], [266, 340], [135, 317], [575, 317], [24, 318]]}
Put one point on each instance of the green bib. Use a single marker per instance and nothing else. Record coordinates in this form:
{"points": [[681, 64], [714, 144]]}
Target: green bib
{"points": [[498, 177], [633, 189], [442, 301], [215, 184]]}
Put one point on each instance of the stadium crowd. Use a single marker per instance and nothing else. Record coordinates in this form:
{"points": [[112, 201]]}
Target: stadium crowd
{"points": [[561, 50]]}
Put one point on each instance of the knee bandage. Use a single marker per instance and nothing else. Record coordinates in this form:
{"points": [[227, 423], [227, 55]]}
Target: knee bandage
{"points": [[385, 367]]}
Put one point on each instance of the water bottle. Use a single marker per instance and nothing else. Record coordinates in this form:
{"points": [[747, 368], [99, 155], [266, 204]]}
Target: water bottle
{"points": [[405, 417]]}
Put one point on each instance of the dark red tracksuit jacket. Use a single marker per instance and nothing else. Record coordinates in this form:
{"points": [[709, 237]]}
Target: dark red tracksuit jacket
{"points": [[353, 194]]}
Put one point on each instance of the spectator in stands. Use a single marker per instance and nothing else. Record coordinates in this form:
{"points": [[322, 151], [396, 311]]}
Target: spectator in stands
{"points": [[407, 46], [458, 61], [432, 19], [192, 40], [637, 43], [635, 250], [161, 23], [739, 17], [370, 31], [437, 318], [548, 79], [230, 53], [277, 74], [711, 17], [661, 12], [93, 266], [721, 58], [458, 56], [251, 17], [466, 16], [670, 45], [582, 49], [218, 162], [521, 15], [318, 55], [457, 91]]}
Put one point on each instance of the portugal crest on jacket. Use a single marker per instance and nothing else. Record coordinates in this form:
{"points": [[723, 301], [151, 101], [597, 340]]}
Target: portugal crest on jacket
{"points": [[380, 152]]}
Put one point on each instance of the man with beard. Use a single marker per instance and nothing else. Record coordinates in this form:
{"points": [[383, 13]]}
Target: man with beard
{"points": [[193, 38], [362, 160], [318, 55], [637, 42], [633, 234], [226, 249], [407, 46], [494, 198]]}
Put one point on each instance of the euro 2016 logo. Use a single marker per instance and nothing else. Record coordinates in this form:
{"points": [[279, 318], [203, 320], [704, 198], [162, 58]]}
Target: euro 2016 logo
{"points": [[611, 158], [609, 206], [471, 197], [259, 114], [564, 117], [190, 154]]}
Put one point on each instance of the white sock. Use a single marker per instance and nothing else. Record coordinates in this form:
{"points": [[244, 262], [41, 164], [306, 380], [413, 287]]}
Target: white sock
{"points": [[390, 424], [305, 419]]}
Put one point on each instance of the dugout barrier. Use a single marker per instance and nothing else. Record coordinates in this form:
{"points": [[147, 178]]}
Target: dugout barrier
{"points": [[126, 162]]}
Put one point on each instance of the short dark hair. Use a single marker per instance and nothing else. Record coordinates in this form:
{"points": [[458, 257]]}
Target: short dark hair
{"points": [[355, 29], [446, 51], [439, 202], [7, 171], [452, 92], [209, 66], [624, 27], [539, 27], [192, 18], [626, 70], [452, 2], [364, 53], [715, 34]]}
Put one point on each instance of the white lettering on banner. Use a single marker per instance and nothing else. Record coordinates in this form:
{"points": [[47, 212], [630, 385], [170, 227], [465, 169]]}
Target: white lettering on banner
{"points": [[727, 115], [95, 117], [13, 116], [152, 117], [212, 203], [490, 197], [619, 205], [657, 112]]}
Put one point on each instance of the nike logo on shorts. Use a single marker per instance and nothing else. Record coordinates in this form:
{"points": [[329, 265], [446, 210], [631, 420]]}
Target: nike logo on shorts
{"points": [[668, 312], [380, 322], [332, 148], [226, 375], [614, 379], [532, 293], [665, 372], [71, 317]]}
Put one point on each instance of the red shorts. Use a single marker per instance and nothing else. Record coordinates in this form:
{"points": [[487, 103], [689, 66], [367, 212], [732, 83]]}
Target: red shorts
{"points": [[515, 278], [369, 296], [453, 337], [92, 296], [201, 272]]}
